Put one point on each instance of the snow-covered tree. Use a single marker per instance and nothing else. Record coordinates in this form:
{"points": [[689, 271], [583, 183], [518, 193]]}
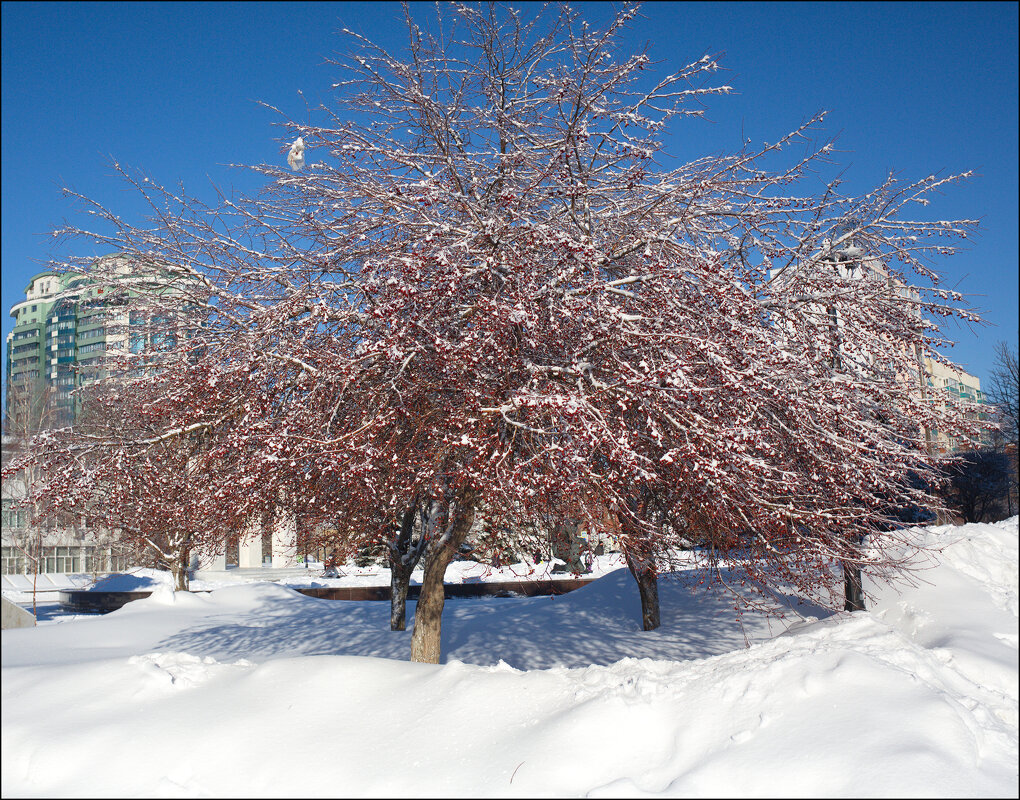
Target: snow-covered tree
{"points": [[116, 469], [488, 289], [547, 313]]}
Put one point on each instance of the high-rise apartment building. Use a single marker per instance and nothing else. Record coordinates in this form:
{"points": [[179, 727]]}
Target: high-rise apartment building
{"points": [[43, 350], [65, 327], [960, 387]]}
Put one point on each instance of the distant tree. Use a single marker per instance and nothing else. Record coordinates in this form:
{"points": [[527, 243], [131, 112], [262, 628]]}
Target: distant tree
{"points": [[117, 469], [29, 409], [1004, 388], [156, 451], [979, 484], [1003, 391], [22, 531]]}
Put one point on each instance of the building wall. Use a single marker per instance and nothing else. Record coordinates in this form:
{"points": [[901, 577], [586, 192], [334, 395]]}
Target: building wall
{"points": [[959, 387], [30, 545]]}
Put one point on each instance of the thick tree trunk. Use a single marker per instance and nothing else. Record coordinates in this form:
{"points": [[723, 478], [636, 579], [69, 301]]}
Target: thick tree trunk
{"points": [[566, 546], [179, 569], [853, 588], [428, 616], [648, 588]]}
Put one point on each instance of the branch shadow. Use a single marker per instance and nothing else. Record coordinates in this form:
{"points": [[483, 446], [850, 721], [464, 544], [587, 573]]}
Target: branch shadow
{"points": [[597, 624]]}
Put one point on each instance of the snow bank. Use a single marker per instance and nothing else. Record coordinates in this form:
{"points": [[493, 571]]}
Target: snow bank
{"points": [[257, 691]]}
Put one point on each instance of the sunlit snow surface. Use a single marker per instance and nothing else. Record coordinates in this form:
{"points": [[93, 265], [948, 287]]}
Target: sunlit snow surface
{"points": [[255, 691]]}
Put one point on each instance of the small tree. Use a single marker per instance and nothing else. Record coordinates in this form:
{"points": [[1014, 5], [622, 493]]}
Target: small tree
{"points": [[141, 457], [28, 542], [29, 409]]}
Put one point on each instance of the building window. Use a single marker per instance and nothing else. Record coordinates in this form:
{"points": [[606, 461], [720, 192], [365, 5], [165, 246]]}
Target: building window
{"points": [[61, 559], [16, 518], [14, 562]]}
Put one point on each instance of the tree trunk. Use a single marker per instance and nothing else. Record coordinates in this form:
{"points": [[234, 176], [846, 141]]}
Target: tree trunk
{"points": [[428, 616], [648, 588], [179, 569], [35, 581], [853, 588], [566, 546], [400, 580], [404, 556]]}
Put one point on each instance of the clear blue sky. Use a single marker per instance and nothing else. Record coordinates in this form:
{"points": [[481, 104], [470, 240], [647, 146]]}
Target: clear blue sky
{"points": [[172, 89]]}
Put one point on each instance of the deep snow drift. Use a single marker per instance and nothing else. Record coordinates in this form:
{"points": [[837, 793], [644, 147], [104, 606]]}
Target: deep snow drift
{"points": [[254, 690]]}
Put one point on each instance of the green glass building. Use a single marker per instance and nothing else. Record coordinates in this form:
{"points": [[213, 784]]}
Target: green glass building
{"points": [[64, 328]]}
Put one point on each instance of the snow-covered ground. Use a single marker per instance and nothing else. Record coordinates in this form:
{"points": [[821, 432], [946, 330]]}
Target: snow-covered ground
{"points": [[254, 690]]}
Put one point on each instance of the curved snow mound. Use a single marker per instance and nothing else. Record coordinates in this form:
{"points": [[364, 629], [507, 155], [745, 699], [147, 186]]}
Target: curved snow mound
{"points": [[253, 594], [977, 562], [988, 555]]}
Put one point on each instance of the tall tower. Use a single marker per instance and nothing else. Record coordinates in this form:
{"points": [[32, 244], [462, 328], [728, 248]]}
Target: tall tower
{"points": [[28, 349], [65, 328]]}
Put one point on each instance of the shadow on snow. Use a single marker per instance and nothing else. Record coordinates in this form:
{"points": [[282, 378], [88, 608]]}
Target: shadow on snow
{"points": [[597, 624]]}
